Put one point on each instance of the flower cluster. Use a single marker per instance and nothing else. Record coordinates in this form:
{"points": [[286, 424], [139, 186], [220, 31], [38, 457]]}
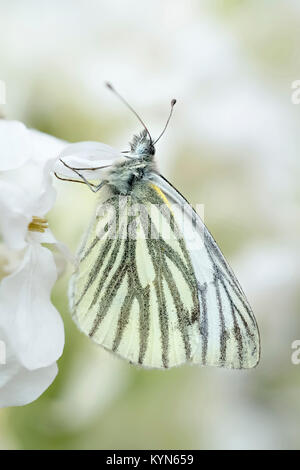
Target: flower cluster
{"points": [[31, 329]]}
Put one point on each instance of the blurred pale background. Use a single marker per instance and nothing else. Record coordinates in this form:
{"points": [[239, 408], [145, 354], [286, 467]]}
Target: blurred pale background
{"points": [[233, 145]]}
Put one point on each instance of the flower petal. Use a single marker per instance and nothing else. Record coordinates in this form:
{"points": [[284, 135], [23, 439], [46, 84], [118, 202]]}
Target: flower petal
{"points": [[33, 174], [32, 324], [49, 238], [20, 386], [45, 146], [47, 193], [25, 192], [61, 253], [25, 385], [14, 215], [15, 145], [86, 155], [46, 149]]}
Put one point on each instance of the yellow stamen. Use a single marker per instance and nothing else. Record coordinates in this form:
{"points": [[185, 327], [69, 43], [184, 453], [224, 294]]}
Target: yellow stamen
{"points": [[38, 224]]}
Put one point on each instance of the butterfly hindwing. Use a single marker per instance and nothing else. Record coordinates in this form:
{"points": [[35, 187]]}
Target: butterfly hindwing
{"points": [[134, 290]]}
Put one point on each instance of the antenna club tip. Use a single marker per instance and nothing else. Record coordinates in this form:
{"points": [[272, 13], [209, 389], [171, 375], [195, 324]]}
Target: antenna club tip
{"points": [[109, 85], [173, 102]]}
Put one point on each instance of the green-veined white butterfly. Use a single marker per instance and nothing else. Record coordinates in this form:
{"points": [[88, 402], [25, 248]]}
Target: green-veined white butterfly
{"points": [[156, 300]]}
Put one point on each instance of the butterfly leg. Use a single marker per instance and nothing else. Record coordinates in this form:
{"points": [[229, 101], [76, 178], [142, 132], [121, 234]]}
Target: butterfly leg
{"points": [[92, 186], [67, 179], [100, 185]]}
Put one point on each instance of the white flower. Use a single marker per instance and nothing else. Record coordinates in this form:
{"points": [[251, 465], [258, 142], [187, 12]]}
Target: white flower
{"points": [[30, 326], [19, 385], [16, 139]]}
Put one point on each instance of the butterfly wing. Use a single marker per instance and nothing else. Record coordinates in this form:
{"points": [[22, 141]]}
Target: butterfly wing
{"points": [[135, 292], [228, 332], [86, 155]]}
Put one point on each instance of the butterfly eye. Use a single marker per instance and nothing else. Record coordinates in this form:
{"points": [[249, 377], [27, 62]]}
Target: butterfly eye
{"points": [[151, 149]]}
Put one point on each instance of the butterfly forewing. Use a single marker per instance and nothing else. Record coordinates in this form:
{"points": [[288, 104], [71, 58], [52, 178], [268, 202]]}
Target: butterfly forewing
{"points": [[228, 332]]}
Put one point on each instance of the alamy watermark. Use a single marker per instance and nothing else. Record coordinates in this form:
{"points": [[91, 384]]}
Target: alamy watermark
{"points": [[2, 92], [2, 353], [295, 96], [167, 222], [295, 357]]}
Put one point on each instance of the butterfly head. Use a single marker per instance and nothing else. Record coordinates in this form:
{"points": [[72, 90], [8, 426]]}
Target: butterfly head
{"points": [[142, 146]]}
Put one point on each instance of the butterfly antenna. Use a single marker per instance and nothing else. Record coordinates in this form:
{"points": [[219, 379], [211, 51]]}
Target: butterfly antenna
{"points": [[173, 102], [111, 88]]}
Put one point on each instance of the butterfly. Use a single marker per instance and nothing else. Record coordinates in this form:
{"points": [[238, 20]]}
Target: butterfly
{"points": [[150, 283]]}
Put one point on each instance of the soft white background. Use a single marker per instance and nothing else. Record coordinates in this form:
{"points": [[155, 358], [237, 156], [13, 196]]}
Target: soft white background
{"points": [[233, 145]]}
